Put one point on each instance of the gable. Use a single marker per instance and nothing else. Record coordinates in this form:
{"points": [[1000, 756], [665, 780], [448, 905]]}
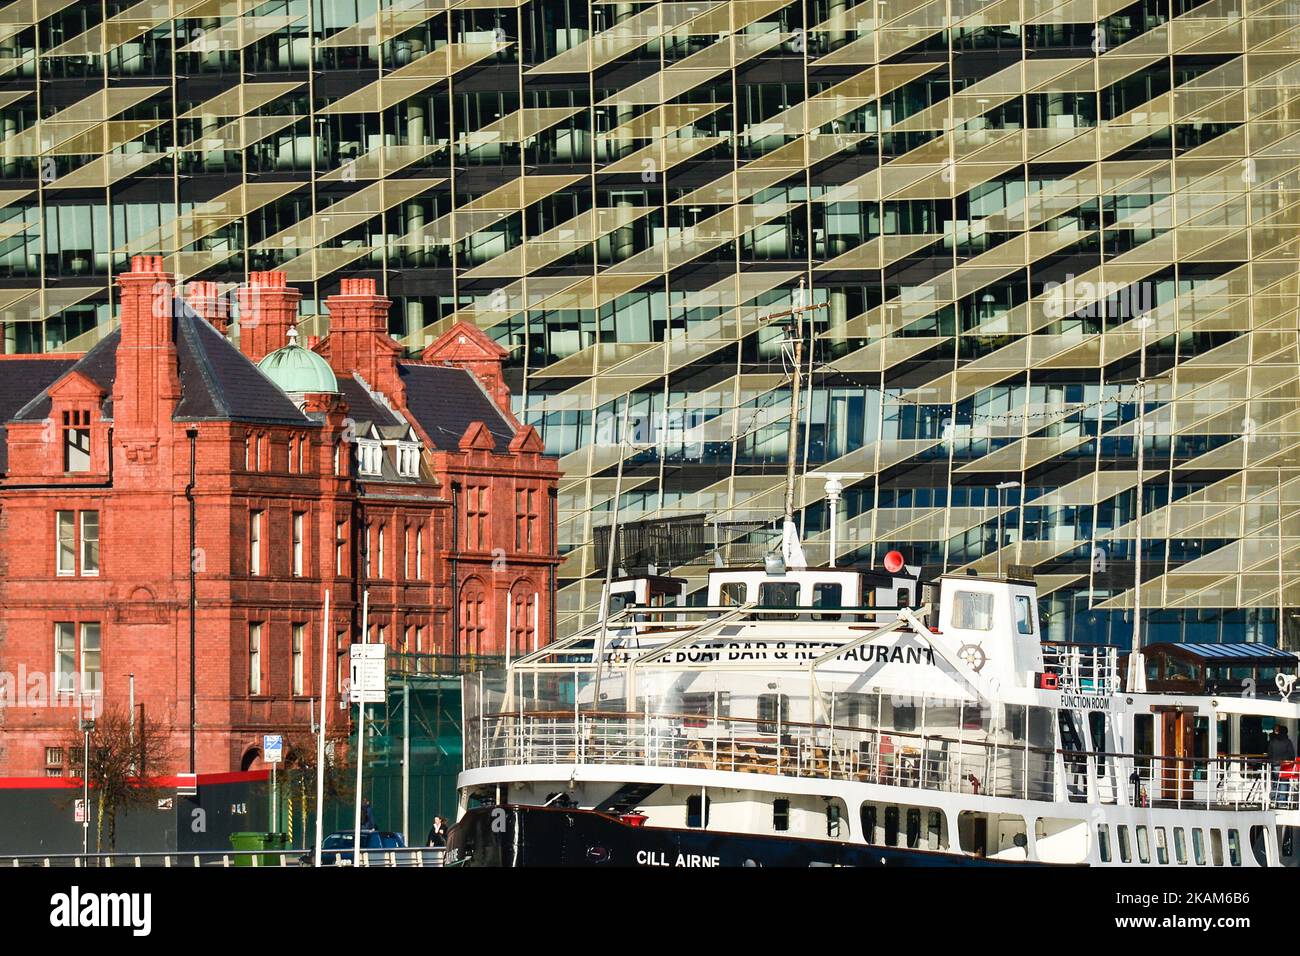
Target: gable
{"points": [[463, 342]]}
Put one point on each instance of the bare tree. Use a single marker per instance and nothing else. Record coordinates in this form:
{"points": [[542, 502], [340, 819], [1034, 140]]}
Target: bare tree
{"points": [[121, 758], [300, 761]]}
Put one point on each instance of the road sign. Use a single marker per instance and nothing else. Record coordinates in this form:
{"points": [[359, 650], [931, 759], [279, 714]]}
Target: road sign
{"points": [[369, 674], [272, 748], [79, 811]]}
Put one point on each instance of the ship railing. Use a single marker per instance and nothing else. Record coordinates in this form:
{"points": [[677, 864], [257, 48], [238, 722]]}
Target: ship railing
{"points": [[979, 764], [1225, 782], [1083, 668]]}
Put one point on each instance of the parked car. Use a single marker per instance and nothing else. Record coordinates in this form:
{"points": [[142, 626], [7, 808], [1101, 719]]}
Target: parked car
{"points": [[336, 849]]}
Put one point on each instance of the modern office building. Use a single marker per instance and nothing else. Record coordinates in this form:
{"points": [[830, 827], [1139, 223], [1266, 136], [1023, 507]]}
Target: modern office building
{"points": [[1001, 211]]}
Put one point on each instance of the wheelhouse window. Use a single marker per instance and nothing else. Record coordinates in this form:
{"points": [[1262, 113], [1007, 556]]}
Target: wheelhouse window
{"points": [[972, 611], [732, 593], [779, 594], [828, 595], [1024, 614]]}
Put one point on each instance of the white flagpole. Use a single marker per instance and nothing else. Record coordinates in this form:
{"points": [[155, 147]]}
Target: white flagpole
{"points": [[320, 729], [361, 735]]}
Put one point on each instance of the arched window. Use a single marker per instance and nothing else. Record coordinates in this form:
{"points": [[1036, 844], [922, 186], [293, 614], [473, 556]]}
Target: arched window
{"points": [[473, 623], [523, 612]]}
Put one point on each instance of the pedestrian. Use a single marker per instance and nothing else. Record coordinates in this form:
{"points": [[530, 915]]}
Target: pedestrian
{"points": [[437, 833], [367, 821], [1281, 750]]}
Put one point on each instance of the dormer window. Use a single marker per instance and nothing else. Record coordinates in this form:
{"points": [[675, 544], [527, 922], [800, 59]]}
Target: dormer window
{"points": [[408, 459], [370, 457], [76, 441]]}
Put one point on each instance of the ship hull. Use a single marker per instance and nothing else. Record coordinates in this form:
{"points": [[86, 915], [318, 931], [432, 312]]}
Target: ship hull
{"points": [[530, 836]]}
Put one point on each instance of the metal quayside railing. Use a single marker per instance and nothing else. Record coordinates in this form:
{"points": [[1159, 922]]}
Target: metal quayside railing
{"points": [[989, 767], [407, 856]]}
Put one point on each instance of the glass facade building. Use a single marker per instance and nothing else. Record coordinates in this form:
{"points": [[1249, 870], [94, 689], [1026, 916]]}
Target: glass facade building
{"points": [[991, 216]]}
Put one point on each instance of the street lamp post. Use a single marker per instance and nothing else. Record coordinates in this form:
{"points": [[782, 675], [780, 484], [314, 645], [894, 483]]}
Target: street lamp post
{"points": [[1136, 668], [1001, 487], [87, 726]]}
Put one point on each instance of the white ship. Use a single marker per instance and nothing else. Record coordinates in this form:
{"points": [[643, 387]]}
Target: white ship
{"points": [[849, 717]]}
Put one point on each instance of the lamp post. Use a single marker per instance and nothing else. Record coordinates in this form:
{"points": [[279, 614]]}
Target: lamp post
{"points": [[1001, 487], [87, 725], [1136, 668]]}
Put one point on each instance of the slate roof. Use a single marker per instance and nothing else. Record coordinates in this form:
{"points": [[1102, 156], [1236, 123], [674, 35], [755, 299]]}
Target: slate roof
{"points": [[218, 383], [20, 381], [366, 410], [446, 401]]}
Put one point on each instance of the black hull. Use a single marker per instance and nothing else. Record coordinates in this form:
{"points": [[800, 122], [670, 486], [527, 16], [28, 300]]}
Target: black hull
{"points": [[520, 836]]}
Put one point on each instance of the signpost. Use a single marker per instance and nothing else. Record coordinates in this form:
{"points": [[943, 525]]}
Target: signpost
{"points": [[273, 753], [368, 685]]}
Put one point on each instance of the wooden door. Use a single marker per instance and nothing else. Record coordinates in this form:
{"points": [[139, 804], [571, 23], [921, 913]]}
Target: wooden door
{"points": [[1177, 750]]}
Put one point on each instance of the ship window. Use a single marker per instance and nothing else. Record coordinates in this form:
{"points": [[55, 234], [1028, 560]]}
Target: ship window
{"points": [[867, 814], [732, 592], [972, 611], [1259, 845], [1198, 846], [833, 820], [773, 711], [694, 818], [1103, 842], [1180, 846], [779, 594], [828, 596], [1144, 845], [1024, 615], [1162, 846], [619, 601], [1216, 847], [1234, 847], [1125, 851], [780, 815], [913, 827], [891, 826]]}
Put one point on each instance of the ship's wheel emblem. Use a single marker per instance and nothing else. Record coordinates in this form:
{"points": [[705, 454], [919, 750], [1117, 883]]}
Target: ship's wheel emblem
{"points": [[973, 656]]}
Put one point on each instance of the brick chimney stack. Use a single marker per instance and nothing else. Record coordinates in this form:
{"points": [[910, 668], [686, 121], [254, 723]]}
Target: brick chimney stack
{"points": [[147, 386], [268, 309], [205, 299], [358, 339]]}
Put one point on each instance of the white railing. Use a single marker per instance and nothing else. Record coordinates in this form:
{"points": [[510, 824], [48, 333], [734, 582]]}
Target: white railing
{"points": [[1082, 669], [980, 764], [928, 761], [403, 857], [1231, 782]]}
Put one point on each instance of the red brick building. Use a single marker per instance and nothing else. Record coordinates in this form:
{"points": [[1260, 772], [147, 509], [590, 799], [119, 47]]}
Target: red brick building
{"points": [[163, 489]]}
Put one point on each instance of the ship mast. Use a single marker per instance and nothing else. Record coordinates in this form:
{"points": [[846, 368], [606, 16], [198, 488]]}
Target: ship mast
{"points": [[791, 549]]}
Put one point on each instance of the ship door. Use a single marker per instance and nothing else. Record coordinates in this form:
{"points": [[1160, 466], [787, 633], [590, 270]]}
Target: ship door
{"points": [[1177, 737]]}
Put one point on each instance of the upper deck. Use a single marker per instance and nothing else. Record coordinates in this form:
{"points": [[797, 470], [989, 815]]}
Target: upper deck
{"points": [[961, 698]]}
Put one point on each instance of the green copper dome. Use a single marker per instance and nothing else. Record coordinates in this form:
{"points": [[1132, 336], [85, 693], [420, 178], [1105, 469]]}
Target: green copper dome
{"points": [[298, 370]]}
